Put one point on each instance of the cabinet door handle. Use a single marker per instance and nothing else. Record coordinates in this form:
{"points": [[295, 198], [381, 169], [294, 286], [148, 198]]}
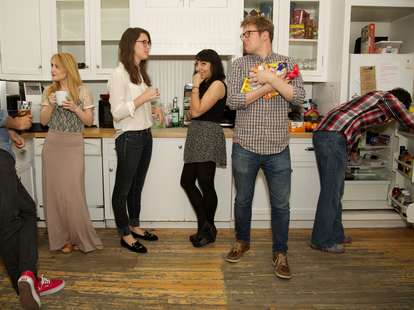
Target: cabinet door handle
{"points": [[310, 149], [111, 170], [39, 66], [180, 147], [98, 66]]}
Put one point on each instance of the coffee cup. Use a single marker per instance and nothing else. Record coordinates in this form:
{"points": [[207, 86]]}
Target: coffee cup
{"points": [[61, 95]]}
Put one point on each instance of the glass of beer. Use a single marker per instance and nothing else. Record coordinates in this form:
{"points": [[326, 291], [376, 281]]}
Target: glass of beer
{"points": [[24, 108]]}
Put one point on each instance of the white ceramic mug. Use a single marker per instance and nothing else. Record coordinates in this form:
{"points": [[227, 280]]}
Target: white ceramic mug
{"points": [[61, 95]]}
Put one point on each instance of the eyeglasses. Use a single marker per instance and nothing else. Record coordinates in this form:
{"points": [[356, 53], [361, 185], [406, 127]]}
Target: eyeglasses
{"points": [[246, 34], [144, 42]]}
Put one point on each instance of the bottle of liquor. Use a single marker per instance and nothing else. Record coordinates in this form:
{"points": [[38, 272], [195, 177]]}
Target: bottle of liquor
{"points": [[175, 113], [186, 104]]}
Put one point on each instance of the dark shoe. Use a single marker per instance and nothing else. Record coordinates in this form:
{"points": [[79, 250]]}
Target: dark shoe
{"points": [[147, 236], [237, 251], [193, 237], [214, 231], [200, 242], [335, 249], [136, 247], [347, 240], [280, 262]]}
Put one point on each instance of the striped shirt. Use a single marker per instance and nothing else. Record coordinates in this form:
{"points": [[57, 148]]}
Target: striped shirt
{"points": [[354, 117], [261, 127]]}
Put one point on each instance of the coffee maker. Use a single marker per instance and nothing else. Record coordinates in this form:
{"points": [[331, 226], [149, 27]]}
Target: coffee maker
{"points": [[33, 92], [105, 115]]}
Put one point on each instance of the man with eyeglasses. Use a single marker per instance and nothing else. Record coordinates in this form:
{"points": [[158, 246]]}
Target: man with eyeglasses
{"points": [[261, 137]]}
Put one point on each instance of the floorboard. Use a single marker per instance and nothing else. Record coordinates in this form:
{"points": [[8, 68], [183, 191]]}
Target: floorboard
{"points": [[376, 272]]}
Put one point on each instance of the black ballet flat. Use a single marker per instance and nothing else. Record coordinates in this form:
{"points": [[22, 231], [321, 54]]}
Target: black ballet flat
{"points": [[201, 241], [136, 247], [193, 237], [147, 236]]}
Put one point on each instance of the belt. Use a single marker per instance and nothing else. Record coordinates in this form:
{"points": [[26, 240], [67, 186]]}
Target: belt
{"points": [[147, 130]]}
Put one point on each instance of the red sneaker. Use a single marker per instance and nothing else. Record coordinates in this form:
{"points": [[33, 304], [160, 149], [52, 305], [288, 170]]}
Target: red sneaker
{"points": [[47, 286], [27, 284]]}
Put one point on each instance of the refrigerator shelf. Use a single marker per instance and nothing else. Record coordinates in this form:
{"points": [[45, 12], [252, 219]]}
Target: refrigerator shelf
{"points": [[405, 211]]}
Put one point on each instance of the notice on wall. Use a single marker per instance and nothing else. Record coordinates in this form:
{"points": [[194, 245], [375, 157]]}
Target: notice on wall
{"points": [[368, 81], [389, 76]]}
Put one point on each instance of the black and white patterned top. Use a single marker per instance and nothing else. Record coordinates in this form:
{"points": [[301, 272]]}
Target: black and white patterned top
{"points": [[67, 121], [263, 126]]}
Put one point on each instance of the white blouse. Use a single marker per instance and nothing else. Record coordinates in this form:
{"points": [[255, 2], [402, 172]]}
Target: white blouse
{"points": [[122, 93]]}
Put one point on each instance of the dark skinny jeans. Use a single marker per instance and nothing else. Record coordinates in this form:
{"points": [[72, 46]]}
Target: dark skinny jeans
{"points": [[133, 150]]}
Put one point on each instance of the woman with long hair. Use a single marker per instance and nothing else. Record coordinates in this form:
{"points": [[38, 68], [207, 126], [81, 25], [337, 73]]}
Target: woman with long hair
{"points": [[130, 95], [205, 146], [63, 163]]}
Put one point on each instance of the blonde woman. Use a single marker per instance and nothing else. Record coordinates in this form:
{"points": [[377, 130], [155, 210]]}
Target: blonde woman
{"points": [[67, 216]]}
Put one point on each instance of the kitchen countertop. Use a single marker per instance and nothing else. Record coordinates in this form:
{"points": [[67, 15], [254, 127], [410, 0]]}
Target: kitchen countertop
{"points": [[156, 133]]}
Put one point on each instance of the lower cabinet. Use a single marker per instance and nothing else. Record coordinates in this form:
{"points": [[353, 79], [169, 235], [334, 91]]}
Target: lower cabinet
{"points": [[163, 199], [304, 185], [93, 178]]}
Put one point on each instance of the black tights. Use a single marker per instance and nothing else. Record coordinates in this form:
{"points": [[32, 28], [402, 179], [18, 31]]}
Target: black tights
{"points": [[202, 198]]}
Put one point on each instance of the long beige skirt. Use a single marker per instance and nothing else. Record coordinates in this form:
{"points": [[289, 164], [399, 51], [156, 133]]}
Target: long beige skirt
{"points": [[64, 198]]}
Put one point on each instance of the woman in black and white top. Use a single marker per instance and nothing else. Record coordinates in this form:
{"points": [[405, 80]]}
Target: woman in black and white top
{"points": [[130, 97], [205, 146]]}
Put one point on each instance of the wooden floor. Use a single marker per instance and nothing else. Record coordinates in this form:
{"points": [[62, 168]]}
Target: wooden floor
{"points": [[376, 272]]}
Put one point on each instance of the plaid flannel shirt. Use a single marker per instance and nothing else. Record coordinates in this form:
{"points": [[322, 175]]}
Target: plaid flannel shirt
{"points": [[374, 108]]}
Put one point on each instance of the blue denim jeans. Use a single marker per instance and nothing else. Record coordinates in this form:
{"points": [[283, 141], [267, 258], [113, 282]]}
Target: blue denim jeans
{"points": [[277, 169], [133, 150], [331, 157]]}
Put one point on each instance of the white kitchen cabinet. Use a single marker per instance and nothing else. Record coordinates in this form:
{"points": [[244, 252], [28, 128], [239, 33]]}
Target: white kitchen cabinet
{"points": [[23, 40], [185, 27], [304, 185], [110, 20], [310, 49], [71, 31], [222, 183], [90, 30], [93, 178], [163, 198]]}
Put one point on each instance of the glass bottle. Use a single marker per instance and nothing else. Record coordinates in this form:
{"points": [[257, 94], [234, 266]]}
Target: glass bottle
{"points": [[175, 113]]}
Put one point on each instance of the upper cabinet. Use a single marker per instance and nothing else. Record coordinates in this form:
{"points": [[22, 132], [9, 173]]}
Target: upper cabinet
{"points": [[111, 20], [71, 31], [91, 30], [184, 27], [300, 32], [23, 39], [88, 29]]}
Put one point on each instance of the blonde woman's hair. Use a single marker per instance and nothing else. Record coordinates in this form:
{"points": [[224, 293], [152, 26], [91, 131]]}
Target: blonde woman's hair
{"points": [[67, 62]]}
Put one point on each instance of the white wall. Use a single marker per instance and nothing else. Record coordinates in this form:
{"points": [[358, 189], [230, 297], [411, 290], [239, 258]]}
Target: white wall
{"points": [[327, 95], [402, 30], [381, 30]]}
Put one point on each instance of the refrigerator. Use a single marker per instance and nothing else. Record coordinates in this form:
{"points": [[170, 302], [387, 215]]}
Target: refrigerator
{"points": [[380, 71], [377, 166]]}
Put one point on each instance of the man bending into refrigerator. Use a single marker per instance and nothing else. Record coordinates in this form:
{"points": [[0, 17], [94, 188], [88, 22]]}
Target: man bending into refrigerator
{"points": [[18, 231], [333, 139]]}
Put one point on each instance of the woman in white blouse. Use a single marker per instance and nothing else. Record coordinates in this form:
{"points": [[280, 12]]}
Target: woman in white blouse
{"points": [[130, 97]]}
